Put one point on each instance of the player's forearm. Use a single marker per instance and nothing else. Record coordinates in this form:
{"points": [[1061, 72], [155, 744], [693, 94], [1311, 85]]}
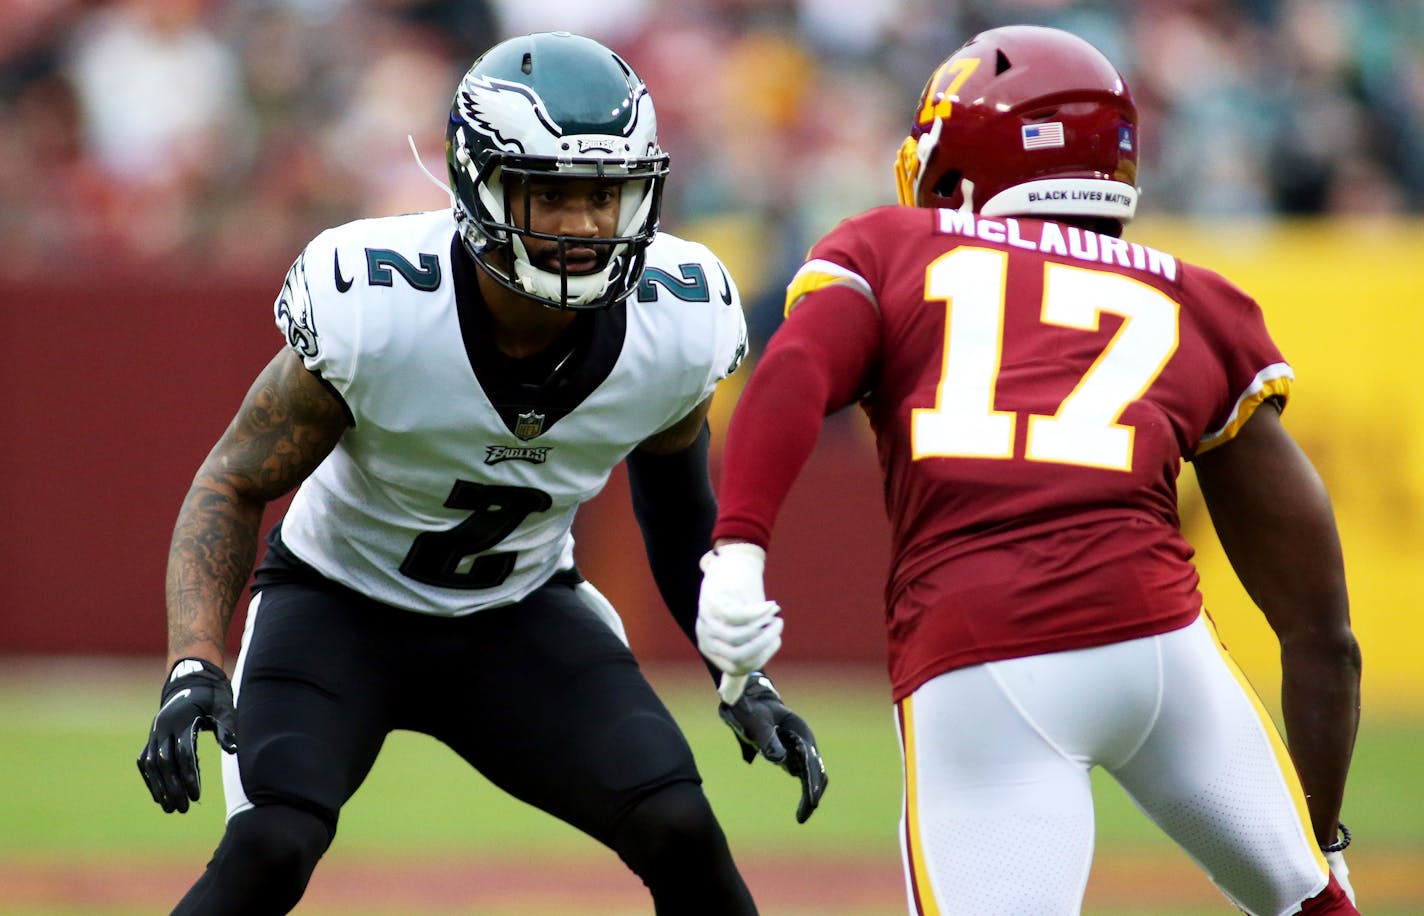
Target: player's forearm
{"points": [[209, 561], [1320, 698], [675, 507]]}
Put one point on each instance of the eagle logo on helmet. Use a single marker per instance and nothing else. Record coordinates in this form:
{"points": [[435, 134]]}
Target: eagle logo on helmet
{"points": [[544, 105], [484, 102]]}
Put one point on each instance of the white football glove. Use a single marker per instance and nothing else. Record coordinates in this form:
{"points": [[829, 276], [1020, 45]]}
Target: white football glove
{"points": [[1338, 868], [737, 628]]}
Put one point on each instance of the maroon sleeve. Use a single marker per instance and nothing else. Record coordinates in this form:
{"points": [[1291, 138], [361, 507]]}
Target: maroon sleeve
{"points": [[1233, 337], [817, 362]]}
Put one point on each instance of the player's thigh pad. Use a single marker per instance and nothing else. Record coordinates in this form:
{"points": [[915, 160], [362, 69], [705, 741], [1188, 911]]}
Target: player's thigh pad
{"points": [[313, 689], [1214, 773], [999, 812], [558, 713], [996, 819]]}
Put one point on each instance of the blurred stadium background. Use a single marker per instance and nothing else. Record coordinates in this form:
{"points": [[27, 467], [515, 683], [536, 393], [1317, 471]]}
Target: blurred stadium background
{"points": [[162, 161]]}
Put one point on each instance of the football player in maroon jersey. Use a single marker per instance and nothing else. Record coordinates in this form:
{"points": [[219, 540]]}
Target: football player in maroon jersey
{"points": [[1034, 382]]}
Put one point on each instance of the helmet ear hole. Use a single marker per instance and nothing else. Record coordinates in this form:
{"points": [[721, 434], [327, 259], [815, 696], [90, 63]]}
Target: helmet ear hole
{"points": [[947, 184]]}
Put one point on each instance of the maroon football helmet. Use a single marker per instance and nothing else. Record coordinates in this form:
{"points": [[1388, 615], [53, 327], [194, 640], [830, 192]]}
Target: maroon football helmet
{"points": [[1020, 121]]}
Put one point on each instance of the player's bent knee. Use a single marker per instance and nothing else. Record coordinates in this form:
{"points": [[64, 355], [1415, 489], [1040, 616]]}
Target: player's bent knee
{"points": [[651, 750], [672, 840], [279, 838], [669, 829], [266, 858], [670, 821]]}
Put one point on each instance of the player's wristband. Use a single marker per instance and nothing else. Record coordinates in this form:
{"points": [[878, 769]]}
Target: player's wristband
{"points": [[1340, 844]]}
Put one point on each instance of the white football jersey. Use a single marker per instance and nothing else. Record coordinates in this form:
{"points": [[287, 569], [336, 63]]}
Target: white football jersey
{"points": [[456, 487]]}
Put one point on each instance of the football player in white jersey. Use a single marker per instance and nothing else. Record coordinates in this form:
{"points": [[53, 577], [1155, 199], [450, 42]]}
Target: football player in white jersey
{"points": [[454, 385]]}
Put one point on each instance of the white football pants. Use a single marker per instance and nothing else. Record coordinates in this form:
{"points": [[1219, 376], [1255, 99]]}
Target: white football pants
{"points": [[998, 809]]}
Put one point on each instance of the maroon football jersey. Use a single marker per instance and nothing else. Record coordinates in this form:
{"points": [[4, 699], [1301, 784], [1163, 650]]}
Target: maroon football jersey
{"points": [[1033, 389]]}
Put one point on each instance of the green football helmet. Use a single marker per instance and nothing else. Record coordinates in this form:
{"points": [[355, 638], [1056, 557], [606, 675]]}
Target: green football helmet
{"points": [[554, 104]]}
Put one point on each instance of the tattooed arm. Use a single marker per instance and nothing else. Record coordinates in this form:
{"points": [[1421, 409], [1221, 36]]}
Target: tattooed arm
{"points": [[287, 424]]}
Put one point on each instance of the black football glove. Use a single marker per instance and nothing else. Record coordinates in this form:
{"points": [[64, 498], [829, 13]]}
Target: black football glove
{"points": [[763, 725], [197, 696]]}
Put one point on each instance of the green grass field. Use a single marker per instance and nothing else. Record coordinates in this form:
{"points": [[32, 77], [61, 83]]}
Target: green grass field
{"points": [[75, 819]]}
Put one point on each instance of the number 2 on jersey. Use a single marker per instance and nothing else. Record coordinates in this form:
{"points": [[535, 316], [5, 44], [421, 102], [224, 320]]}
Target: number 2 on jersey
{"points": [[1085, 429], [457, 558]]}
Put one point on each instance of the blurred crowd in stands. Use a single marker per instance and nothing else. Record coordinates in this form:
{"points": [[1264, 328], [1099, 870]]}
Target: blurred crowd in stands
{"points": [[169, 131]]}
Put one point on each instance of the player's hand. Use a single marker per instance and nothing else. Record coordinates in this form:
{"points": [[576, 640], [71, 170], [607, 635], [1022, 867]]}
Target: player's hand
{"points": [[197, 696], [1336, 861], [763, 725], [737, 628]]}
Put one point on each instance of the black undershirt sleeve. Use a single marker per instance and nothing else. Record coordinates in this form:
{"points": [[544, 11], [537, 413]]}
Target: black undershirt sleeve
{"points": [[676, 508]]}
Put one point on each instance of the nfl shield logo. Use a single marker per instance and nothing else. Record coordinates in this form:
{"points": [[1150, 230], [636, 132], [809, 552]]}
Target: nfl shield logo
{"points": [[528, 425]]}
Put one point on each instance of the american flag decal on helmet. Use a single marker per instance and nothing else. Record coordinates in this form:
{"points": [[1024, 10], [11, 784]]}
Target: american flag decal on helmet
{"points": [[1043, 136]]}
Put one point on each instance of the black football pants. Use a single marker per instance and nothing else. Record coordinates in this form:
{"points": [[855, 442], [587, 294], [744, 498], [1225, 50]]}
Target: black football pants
{"points": [[540, 697]]}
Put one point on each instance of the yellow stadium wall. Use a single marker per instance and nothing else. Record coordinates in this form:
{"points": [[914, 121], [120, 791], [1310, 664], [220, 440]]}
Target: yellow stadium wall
{"points": [[1345, 303]]}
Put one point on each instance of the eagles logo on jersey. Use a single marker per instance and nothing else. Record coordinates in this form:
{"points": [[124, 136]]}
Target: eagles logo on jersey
{"points": [[294, 311]]}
